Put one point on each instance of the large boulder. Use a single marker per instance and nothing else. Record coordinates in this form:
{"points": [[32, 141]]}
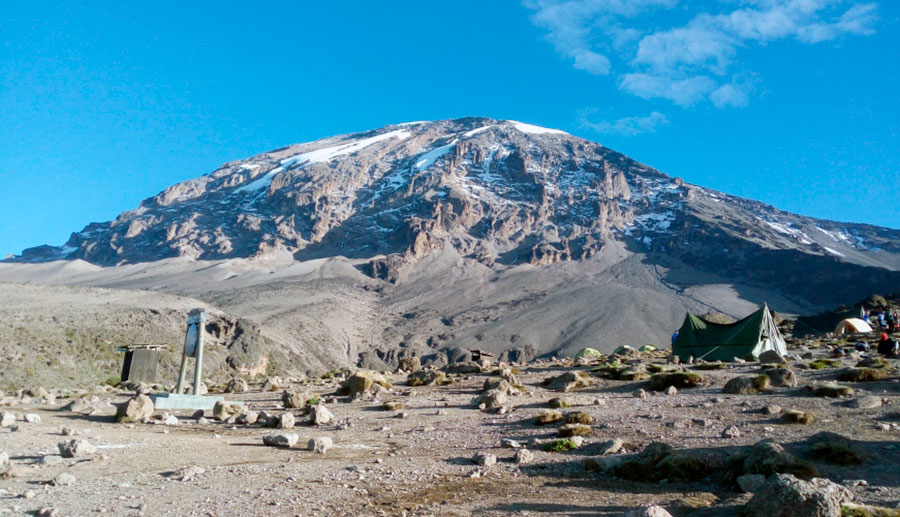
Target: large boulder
{"points": [[784, 495], [135, 409], [361, 382]]}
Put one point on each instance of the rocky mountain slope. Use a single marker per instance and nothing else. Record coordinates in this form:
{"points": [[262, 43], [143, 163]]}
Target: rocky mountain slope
{"points": [[427, 237]]}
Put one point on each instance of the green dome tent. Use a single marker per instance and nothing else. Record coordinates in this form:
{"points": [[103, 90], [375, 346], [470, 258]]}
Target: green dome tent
{"points": [[746, 338], [588, 352]]}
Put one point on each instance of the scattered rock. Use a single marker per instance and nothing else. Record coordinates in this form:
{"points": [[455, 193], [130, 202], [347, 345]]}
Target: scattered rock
{"points": [[523, 457], [772, 410], [485, 459], [866, 402], [68, 431], [509, 443], [648, 511], [77, 406], [783, 495], [610, 447], [33, 418], [187, 473], [8, 419], [248, 418], [237, 385], [410, 364], [64, 479], [224, 409], [281, 439], [4, 459], [671, 390], [51, 459], [286, 421], [320, 445], [76, 448], [320, 415], [294, 399], [639, 394], [751, 482], [771, 356], [731, 432], [427, 378]]}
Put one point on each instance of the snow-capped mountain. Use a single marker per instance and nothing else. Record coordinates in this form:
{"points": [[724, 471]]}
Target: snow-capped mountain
{"points": [[500, 192]]}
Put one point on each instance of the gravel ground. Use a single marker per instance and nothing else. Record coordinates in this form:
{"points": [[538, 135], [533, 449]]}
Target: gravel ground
{"points": [[418, 460]]}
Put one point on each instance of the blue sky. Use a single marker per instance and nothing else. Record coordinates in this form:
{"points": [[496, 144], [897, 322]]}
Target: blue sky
{"points": [[791, 102]]}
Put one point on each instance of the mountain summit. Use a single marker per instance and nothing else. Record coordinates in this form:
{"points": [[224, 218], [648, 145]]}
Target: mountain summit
{"points": [[497, 191]]}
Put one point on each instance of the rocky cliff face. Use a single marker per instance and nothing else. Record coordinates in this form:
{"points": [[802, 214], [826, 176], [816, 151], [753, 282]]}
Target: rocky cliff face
{"points": [[499, 192]]}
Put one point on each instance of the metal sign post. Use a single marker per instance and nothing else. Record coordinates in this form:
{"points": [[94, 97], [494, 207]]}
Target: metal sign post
{"points": [[193, 347]]}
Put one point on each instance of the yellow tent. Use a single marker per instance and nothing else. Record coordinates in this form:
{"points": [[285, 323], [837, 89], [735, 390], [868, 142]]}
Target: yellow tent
{"points": [[852, 326]]}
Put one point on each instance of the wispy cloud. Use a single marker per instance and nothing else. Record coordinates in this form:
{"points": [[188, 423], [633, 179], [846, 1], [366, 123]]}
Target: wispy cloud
{"points": [[628, 126], [692, 62]]}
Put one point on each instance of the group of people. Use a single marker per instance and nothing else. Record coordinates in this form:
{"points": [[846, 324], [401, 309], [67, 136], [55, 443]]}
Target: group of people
{"points": [[888, 319]]}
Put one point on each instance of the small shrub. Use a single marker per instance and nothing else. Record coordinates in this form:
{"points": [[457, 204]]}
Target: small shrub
{"points": [[313, 401], [558, 403], [113, 381], [683, 467], [864, 375], [832, 390], [762, 382], [569, 430], [392, 406], [561, 445], [656, 368], [548, 416], [793, 416], [821, 364], [873, 362], [633, 375], [717, 365], [580, 417], [680, 380]]}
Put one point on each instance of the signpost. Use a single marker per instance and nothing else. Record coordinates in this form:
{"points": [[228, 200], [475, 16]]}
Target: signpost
{"points": [[193, 348]]}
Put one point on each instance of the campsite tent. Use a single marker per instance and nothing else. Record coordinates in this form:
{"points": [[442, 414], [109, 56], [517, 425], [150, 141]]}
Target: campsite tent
{"points": [[852, 326], [746, 338]]}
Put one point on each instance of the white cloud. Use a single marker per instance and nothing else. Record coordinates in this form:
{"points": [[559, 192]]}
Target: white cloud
{"points": [[684, 92], [573, 26], [691, 61], [628, 126]]}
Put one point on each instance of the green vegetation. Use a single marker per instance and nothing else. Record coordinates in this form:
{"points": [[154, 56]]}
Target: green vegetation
{"points": [[793, 416], [561, 445], [680, 380], [864, 375], [821, 364]]}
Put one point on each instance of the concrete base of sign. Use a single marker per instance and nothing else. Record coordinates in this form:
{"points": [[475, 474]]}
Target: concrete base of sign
{"points": [[176, 401]]}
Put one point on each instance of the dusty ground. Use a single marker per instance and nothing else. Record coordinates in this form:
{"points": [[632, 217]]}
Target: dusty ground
{"points": [[422, 464]]}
